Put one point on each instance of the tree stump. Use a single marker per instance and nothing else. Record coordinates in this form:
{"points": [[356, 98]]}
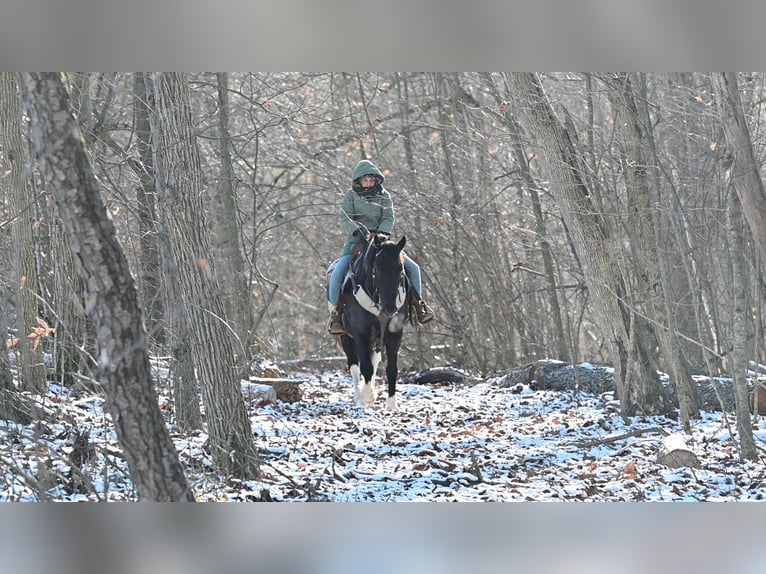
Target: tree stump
{"points": [[674, 453], [285, 390], [288, 391]]}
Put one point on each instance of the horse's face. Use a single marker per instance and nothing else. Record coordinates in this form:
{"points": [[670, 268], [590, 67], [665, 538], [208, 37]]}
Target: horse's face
{"points": [[389, 276]]}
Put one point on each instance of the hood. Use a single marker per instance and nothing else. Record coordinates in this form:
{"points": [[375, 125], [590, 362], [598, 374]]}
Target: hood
{"points": [[366, 167]]}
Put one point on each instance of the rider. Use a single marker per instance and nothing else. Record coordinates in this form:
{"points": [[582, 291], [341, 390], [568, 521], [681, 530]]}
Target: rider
{"points": [[368, 206]]}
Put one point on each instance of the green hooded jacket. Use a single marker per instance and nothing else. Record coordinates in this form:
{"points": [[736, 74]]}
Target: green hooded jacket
{"points": [[373, 210]]}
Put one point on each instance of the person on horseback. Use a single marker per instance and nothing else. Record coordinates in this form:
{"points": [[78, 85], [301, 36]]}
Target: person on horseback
{"points": [[367, 206]]}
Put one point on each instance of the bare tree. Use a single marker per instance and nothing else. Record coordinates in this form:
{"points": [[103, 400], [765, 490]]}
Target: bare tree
{"points": [[650, 281], [745, 169], [180, 188], [146, 199], [124, 369], [739, 320], [21, 200], [224, 232], [638, 387]]}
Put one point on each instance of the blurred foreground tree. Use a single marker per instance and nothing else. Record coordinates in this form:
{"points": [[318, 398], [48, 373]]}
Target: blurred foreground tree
{"points": [[124, 369]]}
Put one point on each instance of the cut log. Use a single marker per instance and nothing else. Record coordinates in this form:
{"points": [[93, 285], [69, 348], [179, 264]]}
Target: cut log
{"points": [[258, 394], [288, 391], [674, 453], [560, 376]]}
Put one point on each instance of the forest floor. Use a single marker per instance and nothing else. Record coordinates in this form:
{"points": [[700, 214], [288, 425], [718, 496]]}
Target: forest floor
{"points": [[447, 442]]}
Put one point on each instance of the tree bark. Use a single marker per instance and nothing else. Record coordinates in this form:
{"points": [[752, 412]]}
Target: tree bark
{"points": [[675, 453], [739, 358], [179, 185], [224, 234], [746, 174], [21, 199], [124, 369], [146, 199]]}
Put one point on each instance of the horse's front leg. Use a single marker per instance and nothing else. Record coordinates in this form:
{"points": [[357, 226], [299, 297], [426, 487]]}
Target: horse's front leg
{"points": [[352, 357], [364, 392], [393, 341]]}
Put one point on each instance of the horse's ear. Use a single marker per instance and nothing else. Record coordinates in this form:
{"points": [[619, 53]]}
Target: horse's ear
{"points": [[401, 243]]}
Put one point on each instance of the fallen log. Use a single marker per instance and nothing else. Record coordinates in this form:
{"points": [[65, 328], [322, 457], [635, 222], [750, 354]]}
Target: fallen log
{"points": [[314, 363], [560, 376], [616, 438], [714, 392], [439, 375]]}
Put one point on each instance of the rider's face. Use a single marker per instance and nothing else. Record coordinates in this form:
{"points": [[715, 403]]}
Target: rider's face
{"points": [[367, 181]]}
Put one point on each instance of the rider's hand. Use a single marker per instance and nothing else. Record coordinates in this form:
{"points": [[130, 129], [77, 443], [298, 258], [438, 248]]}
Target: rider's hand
{"points": [[380, 237]]}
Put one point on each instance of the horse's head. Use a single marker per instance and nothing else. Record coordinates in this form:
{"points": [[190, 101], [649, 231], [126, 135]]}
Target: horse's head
{"points": [[388, 276]]}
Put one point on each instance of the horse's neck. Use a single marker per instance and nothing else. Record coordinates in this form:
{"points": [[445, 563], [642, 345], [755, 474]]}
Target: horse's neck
{"points": [[367, 265]]}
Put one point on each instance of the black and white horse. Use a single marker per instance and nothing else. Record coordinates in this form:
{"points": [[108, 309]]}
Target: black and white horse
{"points": [[376, 305]]}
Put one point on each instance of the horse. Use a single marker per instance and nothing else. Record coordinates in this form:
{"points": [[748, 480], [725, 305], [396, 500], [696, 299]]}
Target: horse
{"points": [[376, 305]]}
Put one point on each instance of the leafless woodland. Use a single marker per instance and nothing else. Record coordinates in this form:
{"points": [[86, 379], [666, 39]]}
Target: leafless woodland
{"points": [[615, 218]]}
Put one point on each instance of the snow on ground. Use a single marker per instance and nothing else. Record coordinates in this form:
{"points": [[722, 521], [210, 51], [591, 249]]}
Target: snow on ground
{"points": [[447, 442]]}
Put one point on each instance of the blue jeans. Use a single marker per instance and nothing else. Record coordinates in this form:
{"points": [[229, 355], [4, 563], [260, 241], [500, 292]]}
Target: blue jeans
{"points": [[341, 266]]}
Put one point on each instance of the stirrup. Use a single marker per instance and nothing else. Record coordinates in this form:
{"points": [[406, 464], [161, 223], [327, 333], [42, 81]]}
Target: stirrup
{"points": [[424, 313]]}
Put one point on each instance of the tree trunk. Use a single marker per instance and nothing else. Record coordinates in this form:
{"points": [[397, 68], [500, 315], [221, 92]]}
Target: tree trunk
{"points": [[179, 186], [186, 396], [124, 369], [458, 314], [410, 180], [146, 199], [638, 388], [13, 405], [164, 316], [647, 264], [739, 359], [224, 234], [21, 199], [746, 174]]}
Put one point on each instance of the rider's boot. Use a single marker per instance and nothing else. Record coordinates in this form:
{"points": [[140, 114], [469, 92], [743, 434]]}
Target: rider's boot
{"points": [[423, 312], [335, 324]]}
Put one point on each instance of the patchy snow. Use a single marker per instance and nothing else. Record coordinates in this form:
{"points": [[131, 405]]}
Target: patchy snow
{"points": [[447, 442]]}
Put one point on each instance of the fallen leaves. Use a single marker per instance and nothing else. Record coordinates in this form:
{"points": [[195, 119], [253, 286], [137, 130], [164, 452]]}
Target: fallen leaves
{"points": [[447, 443]]}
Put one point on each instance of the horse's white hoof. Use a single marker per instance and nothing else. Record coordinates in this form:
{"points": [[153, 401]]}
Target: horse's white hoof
{"points": [[368, 394], [391, 404]]}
